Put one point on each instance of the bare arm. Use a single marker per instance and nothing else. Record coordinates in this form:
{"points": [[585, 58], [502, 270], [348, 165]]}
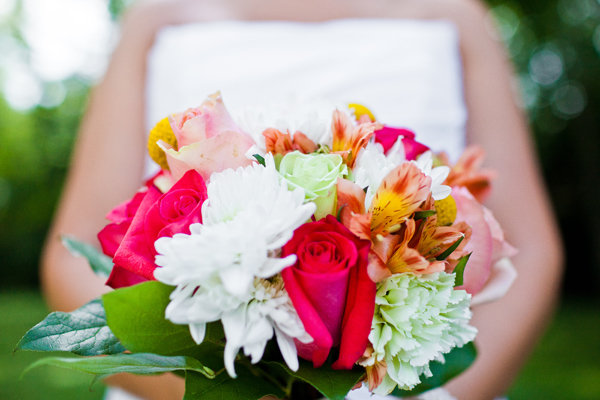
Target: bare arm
{"points": [[510, 327]]}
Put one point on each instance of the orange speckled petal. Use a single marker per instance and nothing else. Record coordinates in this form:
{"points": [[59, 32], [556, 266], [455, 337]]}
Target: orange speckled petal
{"points": [[402, 191]]}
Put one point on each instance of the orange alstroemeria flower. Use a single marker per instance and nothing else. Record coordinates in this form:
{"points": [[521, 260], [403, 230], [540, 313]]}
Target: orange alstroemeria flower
{"points": [[375, 371], [400, 194], [467, 172], [349, 138], [407, 259], [277, 142], [434, 239]]}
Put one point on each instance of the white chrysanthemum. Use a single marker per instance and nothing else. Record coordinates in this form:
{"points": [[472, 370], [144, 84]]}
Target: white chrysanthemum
{"points": [[257, 193], [417, 320], [248, 216], [309, 116], [372, 165], [438, 175], [252, 325]]}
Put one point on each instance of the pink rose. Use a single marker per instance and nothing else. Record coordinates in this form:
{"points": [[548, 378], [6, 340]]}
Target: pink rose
{"points": [[331, 290], [387, 137], [112, 235], [208, 140], [486, 243], [158, 215]]}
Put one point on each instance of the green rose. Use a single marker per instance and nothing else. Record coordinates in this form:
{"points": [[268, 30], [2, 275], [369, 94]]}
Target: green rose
{"points": [[317, 174]]}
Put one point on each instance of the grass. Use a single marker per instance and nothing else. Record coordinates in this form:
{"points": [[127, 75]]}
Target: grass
{"points": [[565, 364]]}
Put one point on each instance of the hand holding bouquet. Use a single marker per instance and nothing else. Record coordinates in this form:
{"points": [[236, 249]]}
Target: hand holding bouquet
{"points": [[346, 241]]}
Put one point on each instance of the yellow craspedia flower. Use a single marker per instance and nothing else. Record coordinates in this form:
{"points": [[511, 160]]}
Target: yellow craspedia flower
{"points": [[161, 131], [360, 110], [446, 211]]}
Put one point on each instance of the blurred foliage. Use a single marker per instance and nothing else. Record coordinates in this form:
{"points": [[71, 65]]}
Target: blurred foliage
{"points": [[34, 157], [117, 7], [555, 46]]}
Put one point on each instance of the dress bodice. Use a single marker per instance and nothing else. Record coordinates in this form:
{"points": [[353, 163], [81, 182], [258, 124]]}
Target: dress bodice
{"points": [[408, 72]]}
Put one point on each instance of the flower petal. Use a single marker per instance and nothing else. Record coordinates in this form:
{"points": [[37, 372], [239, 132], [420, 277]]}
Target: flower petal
{"points": [[226, 150], [400, 194], [501, 279], [479, 266]]}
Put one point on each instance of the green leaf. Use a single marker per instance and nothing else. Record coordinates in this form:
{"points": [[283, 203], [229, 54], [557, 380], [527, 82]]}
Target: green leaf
{"points": [[136, 315], [139, 363], [457, 361], [260, 159], [100, 263], [250, 384], [459, 270], [424, 214], [83, 331], [450, 249], [333, 384]]}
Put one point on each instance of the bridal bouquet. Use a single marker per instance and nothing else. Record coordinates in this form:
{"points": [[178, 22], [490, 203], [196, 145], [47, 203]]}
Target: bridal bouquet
{"points": [[348, 242]]}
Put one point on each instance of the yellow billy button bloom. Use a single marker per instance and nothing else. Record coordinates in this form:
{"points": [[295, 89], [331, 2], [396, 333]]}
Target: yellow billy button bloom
{"points": [[360, 110], [446, 211], [161, 131]]}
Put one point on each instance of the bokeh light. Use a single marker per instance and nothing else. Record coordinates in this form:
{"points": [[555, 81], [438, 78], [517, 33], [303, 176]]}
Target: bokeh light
{"points": [[6, 8], [575, 12], [569, 100], [65, 43], [546, 65], [22, 89]]}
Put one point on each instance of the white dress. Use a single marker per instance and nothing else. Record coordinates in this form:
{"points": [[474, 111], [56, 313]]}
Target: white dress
{"points": [[408, 72]]}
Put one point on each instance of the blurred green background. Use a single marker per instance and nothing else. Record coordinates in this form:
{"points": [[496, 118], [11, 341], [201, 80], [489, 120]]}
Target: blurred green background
{"points": [[45, 76]]}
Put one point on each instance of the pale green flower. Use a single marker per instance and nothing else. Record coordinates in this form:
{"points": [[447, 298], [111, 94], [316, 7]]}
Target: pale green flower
{"points": [[417, 320], [317, 174]]}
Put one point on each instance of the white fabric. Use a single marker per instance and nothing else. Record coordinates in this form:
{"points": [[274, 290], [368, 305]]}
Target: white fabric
{"points": [[114, 393], [363, 393], [407, 72]]}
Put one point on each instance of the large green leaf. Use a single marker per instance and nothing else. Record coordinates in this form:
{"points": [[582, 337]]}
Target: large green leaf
{"points": [[333, 384], [457, 361], [250, 384], [100, 264], [136, 315], [139, 363], [83, 331]]}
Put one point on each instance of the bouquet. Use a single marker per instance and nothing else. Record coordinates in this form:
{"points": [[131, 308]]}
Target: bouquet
{"points": [[267, 256]]}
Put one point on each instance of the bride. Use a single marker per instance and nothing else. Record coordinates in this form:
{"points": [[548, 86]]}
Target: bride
{"points": [[426, 61]]}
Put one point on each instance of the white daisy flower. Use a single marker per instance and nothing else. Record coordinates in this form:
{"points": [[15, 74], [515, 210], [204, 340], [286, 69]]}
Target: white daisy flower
{"points": [[257, 193], [252, 325], [211, 276], [438, 175]]}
